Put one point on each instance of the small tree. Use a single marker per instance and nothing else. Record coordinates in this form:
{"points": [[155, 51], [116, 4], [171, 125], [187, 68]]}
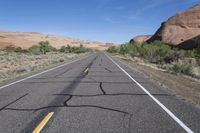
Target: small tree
{"points": [[44, 47]]}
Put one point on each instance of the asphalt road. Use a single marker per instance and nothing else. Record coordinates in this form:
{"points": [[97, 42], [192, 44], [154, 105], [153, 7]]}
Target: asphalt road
{"points": [[93, 95]]}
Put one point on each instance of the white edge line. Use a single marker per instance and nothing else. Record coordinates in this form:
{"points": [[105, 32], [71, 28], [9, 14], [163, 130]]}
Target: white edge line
{"points": [[4, 86], [187, 129]]}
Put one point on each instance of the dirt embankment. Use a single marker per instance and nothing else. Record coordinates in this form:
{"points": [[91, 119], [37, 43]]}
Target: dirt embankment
{"points": [[184, 87]]}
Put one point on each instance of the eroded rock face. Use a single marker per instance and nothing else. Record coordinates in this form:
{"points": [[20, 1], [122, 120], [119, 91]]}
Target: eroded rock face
{"points": [[179, 28], [190, 44], [140, 39]]}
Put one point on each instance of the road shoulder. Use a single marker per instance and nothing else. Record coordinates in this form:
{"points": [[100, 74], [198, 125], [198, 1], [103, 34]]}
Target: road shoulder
{"points": [[183, 87]]}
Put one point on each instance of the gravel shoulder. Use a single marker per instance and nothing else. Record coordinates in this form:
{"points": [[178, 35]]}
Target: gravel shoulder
{"points": [[182, 86]]}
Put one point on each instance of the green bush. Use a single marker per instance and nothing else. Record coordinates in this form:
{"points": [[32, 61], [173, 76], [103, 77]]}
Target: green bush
{"points": [[113, 49], [35, 49], [74, 49], [183, 68], [18, 50], [155, 52], [124, 49], [42, 48]]}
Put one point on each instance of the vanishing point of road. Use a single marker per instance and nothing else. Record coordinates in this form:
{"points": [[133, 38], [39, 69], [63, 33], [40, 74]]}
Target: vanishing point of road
{"points": [[94, 94]]}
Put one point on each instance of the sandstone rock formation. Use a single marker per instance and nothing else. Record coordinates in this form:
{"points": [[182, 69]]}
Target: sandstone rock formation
{"points": [[27, 39], [180, 28], [190, 44], [140, 38]]}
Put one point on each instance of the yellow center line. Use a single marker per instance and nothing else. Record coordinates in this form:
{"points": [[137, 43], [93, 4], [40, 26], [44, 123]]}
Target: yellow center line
{"points": [[43, 123]]}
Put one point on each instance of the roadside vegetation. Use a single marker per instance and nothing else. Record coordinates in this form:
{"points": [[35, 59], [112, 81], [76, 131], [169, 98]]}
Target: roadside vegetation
{"points": [[163, 56], [17, 61]]}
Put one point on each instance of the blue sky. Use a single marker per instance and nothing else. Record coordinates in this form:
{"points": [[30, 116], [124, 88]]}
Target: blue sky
{"points": [[102, 20]]}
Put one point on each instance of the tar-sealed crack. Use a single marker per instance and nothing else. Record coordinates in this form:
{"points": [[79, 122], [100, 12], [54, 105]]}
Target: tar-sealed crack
{"points": [[70, 97], [107, 69], [101, 87], [62, 73], [13, 102]]}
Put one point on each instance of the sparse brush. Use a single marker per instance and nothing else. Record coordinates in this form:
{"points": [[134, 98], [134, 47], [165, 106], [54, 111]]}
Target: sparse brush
{"points": [[183, 68]]}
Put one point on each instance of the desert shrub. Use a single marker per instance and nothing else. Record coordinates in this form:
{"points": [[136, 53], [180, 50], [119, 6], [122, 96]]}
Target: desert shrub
{"points": [[197, 52], [42, 48], [74, 49], [189, 53], [155, 52], [183, 68], [18, 50], [80, 49], [61, 60], [124, 49], [35, 49], [113, 49], [21, 70], [62, 49]]}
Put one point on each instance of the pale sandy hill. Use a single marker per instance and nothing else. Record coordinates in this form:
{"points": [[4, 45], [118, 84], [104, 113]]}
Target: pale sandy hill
{"points": [[27, 39]]}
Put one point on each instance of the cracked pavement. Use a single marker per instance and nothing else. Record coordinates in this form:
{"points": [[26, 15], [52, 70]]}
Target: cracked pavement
{"points": [[100, 100]]}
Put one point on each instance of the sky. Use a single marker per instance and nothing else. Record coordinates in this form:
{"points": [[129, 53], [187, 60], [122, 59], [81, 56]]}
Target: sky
{"points": [[114, 21]]}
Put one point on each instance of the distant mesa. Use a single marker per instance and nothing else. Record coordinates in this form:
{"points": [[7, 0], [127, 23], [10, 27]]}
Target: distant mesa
{"points": [[140, 38], [181, 30], [27, 39], [109, 44]]}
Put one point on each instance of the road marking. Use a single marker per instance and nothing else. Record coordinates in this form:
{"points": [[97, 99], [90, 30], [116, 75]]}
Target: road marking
{"points": [[41, 73], [187, 129], [86, 70], [43, 123]]}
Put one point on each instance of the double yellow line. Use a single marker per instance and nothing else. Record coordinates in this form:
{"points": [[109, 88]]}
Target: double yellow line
{"points": [[43, 123]]}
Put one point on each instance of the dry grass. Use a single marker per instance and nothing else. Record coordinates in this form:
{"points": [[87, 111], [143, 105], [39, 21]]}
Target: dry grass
{"points": [[13, 64]]}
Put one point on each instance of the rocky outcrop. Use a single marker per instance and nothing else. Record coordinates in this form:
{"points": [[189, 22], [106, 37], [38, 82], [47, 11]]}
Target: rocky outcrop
{"points": [[27, 39], [180, 28], [140, 39], [190, 44]]}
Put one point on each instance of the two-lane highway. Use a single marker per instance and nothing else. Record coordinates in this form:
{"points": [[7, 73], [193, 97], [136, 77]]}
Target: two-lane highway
{"points": [[93, 95]]}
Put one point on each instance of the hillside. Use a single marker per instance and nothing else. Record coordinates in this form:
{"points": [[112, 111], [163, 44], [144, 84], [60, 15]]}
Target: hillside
{"points": [[27, 39]]}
